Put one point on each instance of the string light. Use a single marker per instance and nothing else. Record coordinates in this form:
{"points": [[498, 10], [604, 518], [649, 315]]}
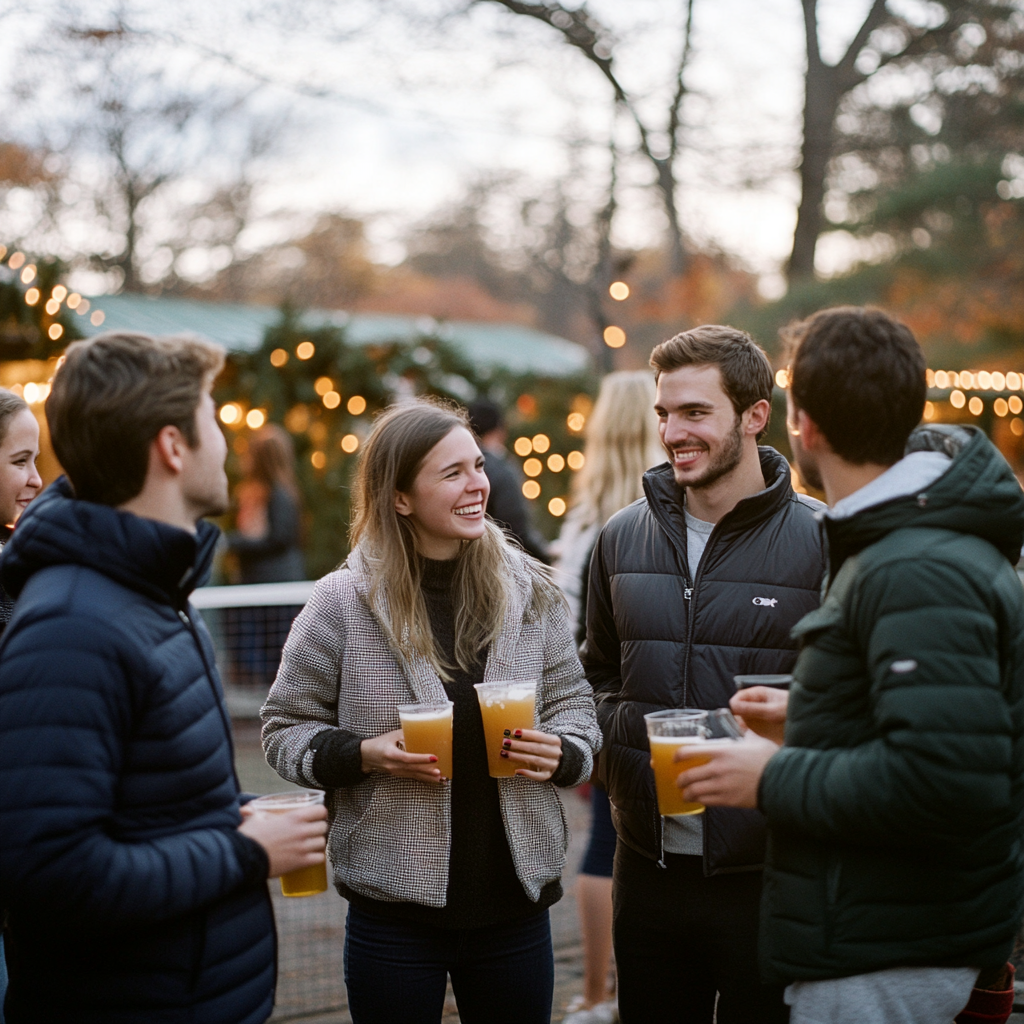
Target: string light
{"points": [[319, 460], [97, 318], [16, 260], [255, 418], [349, 443], [782, 379], [278, 357], [74, 299], [556, 506], [1015, 404], [532, 467], [1017, 426], [531, 490], [556, 463], [957, 399], [975, 406], [55, 331], [332, 400], [1000, 407], [356, 405], [230, 414], [541, 443], [614, 337], [305, 350], [59, 292], [28, 274], [575, 460], [619, 290], [575, 421], [523, 446], [32, 296], [52, 306]]}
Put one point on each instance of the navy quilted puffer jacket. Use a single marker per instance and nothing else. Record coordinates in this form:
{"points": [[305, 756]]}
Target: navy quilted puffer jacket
{"points": [[131, 894]]}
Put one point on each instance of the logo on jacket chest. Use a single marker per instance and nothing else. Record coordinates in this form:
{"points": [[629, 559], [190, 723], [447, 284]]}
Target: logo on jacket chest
{"points": [[766, 602]]}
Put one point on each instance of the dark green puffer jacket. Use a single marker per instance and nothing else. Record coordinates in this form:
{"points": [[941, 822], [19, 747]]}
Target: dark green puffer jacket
{"points": [[896, 807]]}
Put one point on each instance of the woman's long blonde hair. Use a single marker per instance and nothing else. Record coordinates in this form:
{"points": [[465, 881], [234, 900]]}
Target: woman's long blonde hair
{"points": [[401, 439], [622, 444]]}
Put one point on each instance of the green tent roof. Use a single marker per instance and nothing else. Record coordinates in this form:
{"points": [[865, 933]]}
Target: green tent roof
{"points": [[238, 327]]}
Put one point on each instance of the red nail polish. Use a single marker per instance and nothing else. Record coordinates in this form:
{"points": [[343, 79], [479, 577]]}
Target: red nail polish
{"points": [[506, 743], [519, 734], [433, 759], [504, 753]]}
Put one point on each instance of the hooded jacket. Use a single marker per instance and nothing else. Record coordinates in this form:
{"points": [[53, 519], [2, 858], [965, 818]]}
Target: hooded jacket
{"points": [[896, 806], [658, 639], [131, 894]]}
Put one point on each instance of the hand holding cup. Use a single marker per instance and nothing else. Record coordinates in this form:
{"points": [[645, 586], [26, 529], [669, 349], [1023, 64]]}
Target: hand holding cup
{"points": [[763, 711]]}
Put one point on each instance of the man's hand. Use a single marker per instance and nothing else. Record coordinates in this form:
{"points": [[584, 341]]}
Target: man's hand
{"points": [[292, 839], [540, 752], [731, 777], [762, 710], [383, 754]]}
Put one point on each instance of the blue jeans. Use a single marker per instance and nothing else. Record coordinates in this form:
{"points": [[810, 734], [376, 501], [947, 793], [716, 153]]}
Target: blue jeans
{"points": [[398, 971]]}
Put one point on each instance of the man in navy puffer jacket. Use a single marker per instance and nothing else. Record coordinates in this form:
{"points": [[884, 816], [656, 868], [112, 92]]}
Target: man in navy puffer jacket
{"points": [[135, 892]]}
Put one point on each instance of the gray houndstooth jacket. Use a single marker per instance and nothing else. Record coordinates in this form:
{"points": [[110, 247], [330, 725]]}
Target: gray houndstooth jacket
{"points": [[389, 838]]}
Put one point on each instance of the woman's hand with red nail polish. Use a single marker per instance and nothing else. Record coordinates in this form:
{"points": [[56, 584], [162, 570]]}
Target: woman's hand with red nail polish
{"points": [[383, 754], [540, 753]]}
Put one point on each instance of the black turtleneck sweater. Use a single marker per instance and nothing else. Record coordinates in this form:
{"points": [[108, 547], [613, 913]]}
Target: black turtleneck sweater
{"points": [[483, 888]]}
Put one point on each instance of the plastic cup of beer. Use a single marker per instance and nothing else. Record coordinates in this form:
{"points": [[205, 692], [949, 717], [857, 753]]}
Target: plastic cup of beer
{"points": [[505, 706], [427, 729], [303, 881], [667, 731]]}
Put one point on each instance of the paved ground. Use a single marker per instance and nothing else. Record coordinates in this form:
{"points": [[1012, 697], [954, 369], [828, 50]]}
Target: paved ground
{"points": [[311, 931]]}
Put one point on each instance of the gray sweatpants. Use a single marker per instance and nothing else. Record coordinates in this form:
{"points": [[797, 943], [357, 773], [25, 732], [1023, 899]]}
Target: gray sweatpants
{"points": [[902, 995]]}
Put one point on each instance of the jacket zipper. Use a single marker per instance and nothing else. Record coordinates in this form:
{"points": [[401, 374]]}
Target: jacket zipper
{"points": [[190, 626]]}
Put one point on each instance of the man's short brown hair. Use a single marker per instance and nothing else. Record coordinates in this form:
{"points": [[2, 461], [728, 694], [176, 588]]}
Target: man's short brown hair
{"points": [[745, 369], [111, 397], [860, 376]]}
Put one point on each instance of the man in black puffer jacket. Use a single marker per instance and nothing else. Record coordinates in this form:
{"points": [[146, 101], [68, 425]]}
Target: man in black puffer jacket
{"points": [[699, 581], [135, 893]]}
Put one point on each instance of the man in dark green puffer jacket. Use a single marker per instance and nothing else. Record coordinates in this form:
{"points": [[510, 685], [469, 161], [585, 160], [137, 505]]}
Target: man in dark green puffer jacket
{"points": [[895, 809]]}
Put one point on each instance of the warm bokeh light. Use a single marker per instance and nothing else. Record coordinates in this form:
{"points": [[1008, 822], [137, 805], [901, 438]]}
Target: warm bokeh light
{"points": [[929, 378], [1000, 407], [523, 446], [957, 399], [532, 467], [1015, 404], [332, 400], [97, 318], [541, 443], [618, 290], [296, 419], [278, 357], [929, 411], [60, 293], [575, 421], [356, 405], [319, 460], [1017, 426], [52, 306], [349, 443], [55, 331], [614, 337], [998, 381], [1013, 381], [230, 413], [965, 380], [255, 418], [28, 275], [941, 379], [575, 460], [35, 393], [73, 300], [556, 506], [531, 490], [16, 260], [527, 406], [82, 307], [323, 385], [975, 406], [305, 350], [782, 378], [984, 379], [32, 296], [556, 463]]}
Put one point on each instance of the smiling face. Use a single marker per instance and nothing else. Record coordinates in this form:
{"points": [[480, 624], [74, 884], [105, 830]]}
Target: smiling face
{"points": [[447, 499], [698, 425], [19, 480]]}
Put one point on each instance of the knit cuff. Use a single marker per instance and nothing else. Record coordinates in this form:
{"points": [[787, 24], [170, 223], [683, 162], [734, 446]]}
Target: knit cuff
{"points": [[571, 766], [337, 758], [252, 856]]}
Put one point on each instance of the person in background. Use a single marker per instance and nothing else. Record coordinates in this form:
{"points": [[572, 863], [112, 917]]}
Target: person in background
{"points": [[19, 484], [134, 889], [506, 505], [267, 541], [442, 877], [895, 806], [621, 445]]}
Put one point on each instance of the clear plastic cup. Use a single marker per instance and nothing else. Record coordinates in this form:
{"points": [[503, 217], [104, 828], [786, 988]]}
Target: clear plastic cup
{"points": [[505, 705], [667, 731], [427, 729], [303, 881]]}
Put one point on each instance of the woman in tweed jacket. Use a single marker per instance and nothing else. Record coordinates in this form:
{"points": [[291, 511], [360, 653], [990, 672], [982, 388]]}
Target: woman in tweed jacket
{"points": [[443, 877]]}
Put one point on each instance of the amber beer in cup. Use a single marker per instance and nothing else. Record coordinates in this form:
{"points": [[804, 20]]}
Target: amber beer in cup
{"points": [[667, 731], [505, 706], [427, 729], [303, 881]]}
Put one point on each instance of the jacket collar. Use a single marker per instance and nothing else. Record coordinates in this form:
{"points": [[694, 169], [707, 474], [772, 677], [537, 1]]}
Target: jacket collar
{"points": [[161, 561]]}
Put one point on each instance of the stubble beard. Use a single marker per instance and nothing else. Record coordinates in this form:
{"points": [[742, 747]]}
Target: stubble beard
{"points": [[805, 464], [722, 463]]}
